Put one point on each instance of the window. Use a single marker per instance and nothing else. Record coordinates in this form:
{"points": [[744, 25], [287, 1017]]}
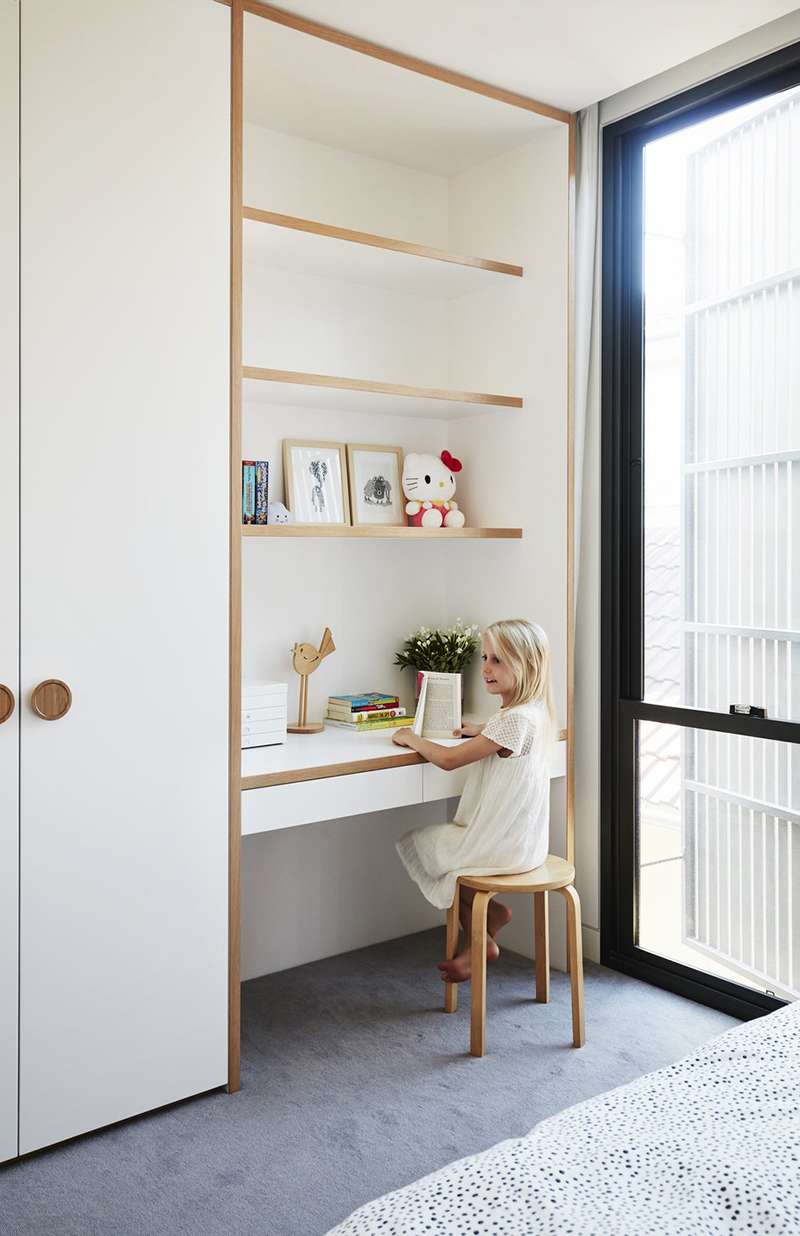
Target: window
{"points": [[701, 829]]}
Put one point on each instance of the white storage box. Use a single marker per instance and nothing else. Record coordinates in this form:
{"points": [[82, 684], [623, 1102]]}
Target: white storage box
{"points": [[275, 712], [250, 690], [264, 713]]}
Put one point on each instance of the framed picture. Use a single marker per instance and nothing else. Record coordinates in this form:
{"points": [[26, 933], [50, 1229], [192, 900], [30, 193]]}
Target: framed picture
{"points": [[376, 490], [315, 475]]}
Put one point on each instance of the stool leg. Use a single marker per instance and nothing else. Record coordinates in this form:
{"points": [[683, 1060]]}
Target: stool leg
{"points": [[575, 951], [542, 942], [451, 989], [480, 908]]}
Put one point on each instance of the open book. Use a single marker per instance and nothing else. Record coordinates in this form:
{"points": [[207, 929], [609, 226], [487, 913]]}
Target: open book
{"points": [[439, 707]]}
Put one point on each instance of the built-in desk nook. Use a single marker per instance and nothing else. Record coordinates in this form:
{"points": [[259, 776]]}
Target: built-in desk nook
{"points": [[336, 774], [401, 241]]}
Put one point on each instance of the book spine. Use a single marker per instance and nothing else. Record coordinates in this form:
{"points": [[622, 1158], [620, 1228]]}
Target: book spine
{"points": [[262, 490], [361, 727], [377, 714], [248, 491], [360, 703]]}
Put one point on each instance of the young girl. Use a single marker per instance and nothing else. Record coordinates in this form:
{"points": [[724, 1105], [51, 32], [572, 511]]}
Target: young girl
{"points": [[501, 826]]}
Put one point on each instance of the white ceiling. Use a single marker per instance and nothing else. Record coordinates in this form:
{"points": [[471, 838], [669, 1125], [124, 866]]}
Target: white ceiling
{"points": [[312, 89], [569, 53]]}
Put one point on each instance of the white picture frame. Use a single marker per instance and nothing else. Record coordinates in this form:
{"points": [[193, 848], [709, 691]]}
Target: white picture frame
{"points": [[315, 478], [376, 485]]}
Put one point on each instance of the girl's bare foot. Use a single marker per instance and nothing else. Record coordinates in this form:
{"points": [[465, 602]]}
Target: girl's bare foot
{"points": [[498, 915], [459, 969]]}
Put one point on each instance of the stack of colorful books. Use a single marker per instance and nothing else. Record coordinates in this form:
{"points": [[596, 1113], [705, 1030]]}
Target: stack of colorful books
{"points": [[369, 711], [255, 491]]}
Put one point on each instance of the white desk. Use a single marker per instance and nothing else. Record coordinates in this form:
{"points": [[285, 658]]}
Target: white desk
{"points": [[335, 774]]}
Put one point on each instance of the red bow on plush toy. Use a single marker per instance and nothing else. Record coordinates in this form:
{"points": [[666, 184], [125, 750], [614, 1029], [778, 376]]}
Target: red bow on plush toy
{"points": [[452, 465]]}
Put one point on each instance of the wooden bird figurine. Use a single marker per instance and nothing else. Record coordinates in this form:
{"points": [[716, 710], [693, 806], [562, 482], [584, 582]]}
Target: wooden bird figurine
{"points": [[305, 660]]}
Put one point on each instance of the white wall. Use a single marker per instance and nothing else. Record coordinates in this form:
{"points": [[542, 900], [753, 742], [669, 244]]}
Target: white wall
{"points": [[370, 593], [720, 60], [515, 474], [347, 329], [326, 888], [293, 176], [514, 340]]}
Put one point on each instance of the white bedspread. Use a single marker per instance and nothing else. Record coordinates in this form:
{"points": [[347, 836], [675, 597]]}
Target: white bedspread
{"points": [[709, 1145]]}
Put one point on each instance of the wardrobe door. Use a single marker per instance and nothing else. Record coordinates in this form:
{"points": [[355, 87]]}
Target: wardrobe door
{"points": [[124, 579], [9, 569]]}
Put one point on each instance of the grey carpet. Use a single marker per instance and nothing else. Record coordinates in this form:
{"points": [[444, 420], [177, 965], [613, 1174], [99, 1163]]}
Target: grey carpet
{"points": [[354, 1082]]}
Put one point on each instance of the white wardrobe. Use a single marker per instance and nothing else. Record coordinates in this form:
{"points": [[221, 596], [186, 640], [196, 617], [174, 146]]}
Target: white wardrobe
{"points": [[114, 560]]}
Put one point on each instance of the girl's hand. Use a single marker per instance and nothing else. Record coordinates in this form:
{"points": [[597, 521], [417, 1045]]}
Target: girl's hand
{"points": [[401, 737], [468, 729]]}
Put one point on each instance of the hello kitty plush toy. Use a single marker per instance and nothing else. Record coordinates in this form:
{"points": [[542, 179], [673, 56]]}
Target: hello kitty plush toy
{"points": [[429, 484]]}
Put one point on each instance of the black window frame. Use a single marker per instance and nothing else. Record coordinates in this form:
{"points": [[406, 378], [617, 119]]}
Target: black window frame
{"points": [[621, 557]]}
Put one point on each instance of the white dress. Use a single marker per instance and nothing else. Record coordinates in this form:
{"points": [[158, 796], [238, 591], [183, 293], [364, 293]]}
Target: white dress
{"points": [[501, 826]]}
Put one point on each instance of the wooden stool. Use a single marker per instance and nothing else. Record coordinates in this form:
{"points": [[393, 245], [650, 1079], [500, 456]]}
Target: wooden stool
{"points": [[554, 875]]}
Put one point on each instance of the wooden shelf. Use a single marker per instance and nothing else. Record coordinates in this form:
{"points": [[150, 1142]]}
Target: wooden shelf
{"points": [[307, 247], [316, 390], [339, 530]]}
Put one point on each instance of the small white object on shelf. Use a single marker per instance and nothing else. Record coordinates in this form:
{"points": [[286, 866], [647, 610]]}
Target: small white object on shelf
{"points": [[264, 713]]}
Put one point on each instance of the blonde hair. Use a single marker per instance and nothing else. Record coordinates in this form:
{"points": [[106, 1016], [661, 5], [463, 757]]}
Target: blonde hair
{"points": [[525, 648]]}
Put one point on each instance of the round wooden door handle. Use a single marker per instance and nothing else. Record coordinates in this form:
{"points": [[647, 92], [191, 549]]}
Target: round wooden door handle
{"points": [[7, 702], [51, 700]]}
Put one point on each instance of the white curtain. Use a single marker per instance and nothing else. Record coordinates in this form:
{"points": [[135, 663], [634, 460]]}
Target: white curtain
{"points": [[587, 302]]}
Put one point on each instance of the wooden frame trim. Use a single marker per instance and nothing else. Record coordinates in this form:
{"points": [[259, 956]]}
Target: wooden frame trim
{"points": [[571, 530], [376, 388], [259, 781], [349, 41], [238, 371], [378, 530], [235, 701], [378, 242]]}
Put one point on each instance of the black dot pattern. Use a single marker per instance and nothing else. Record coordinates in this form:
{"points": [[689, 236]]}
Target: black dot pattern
{"points": [[710, 1145]]}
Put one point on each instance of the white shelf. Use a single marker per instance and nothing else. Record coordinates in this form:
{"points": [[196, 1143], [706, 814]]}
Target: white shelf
{"points": [[284, 242], [311, 390]]}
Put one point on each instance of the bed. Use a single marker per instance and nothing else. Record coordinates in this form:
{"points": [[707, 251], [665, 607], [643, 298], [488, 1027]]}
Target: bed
{"points": [[709, 1145]]}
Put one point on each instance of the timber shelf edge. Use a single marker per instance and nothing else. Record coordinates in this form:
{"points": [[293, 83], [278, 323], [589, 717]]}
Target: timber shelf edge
{"points": [[292, 378], [423, 534], [372, 240]]}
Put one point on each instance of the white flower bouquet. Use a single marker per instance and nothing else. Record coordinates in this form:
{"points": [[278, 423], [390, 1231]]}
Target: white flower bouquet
{"points": [[441, 652]]}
